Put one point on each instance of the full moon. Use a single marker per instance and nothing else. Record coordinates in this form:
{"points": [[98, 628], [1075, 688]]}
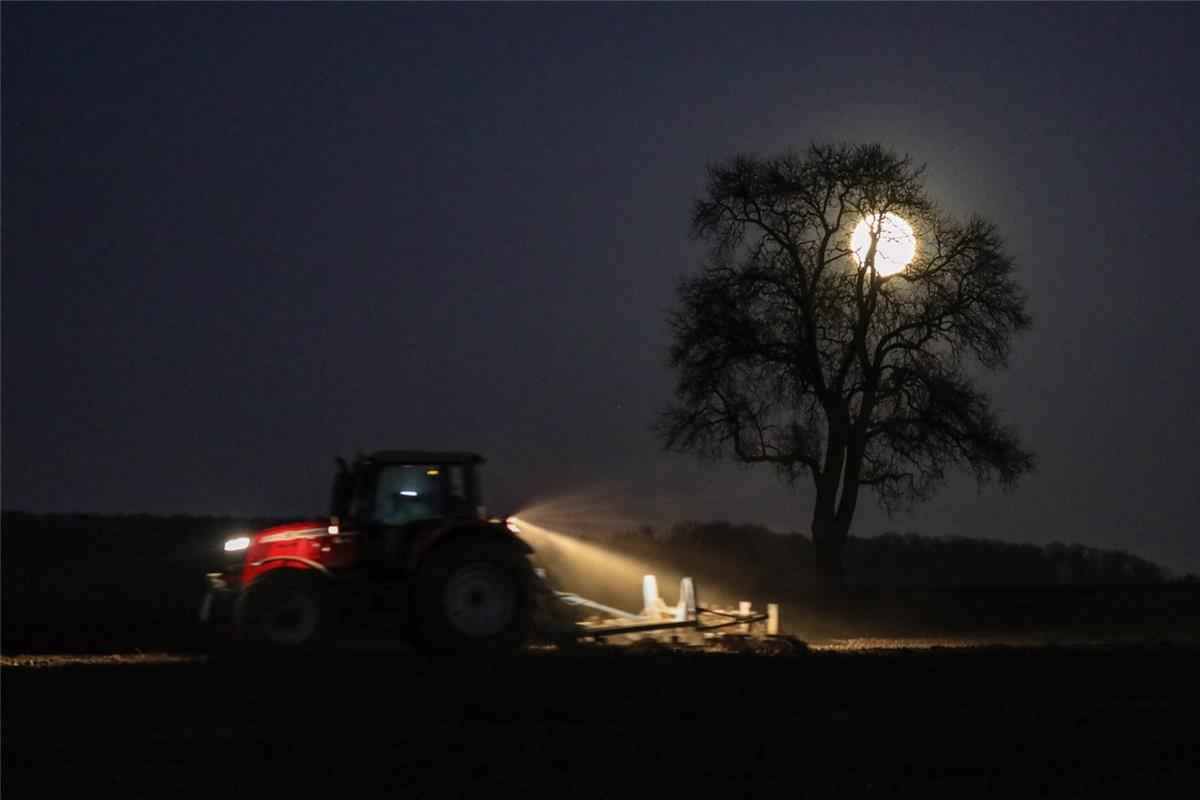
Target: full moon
{"points": [[897, 244]]}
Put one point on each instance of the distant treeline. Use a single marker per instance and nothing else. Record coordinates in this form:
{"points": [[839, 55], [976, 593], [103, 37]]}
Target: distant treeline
{"points": [[52, 561], [91, 581], [769, 559], [753, 553], [23, 529]]}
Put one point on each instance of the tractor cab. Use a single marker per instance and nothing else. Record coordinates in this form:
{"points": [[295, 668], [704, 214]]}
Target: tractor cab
{"points": [[397, 487], [399, 501]]}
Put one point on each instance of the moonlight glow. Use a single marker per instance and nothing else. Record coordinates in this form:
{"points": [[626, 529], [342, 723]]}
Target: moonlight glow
{"points": [[897, 244]]}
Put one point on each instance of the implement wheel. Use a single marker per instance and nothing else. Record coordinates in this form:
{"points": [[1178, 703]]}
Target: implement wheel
{"points": [[474, 595], [285, 612]]}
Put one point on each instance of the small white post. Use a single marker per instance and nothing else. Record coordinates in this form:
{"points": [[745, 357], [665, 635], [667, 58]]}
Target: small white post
{"points": [[744, 611], [650, 599], [772, 619], [687, 600]]}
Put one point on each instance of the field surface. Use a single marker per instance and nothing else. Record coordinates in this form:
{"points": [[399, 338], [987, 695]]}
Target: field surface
{"points": [[962, 722]]}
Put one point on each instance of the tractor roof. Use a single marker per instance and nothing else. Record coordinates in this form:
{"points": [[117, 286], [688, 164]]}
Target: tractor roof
{"points": [[420, 457]]}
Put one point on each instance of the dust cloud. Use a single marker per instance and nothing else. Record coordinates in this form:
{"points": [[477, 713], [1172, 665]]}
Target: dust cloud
{"points": [[575, 538], [567, 536]]}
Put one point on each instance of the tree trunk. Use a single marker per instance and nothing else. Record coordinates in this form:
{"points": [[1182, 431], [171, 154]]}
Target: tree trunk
{"points": [[828, 546]]}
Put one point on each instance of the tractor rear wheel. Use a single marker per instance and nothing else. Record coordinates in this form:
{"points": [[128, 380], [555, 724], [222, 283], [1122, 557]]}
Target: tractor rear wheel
{"points": [[474, 595], [285, 612]]}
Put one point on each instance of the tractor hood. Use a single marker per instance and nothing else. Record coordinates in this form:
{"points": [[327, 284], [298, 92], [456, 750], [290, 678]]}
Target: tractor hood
{"points": [[309, 544], [292, 538], [294, 530]]}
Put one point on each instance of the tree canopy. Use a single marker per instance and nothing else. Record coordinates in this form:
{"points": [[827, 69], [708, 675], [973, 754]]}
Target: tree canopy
{"points": [[792, 348]]}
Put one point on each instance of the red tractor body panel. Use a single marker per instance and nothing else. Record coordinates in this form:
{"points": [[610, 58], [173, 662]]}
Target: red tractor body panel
{"points": [[311, 545], [300, 545]]}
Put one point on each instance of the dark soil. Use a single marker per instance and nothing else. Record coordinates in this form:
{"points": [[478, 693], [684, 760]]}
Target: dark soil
{"points": [[1048, 722]]}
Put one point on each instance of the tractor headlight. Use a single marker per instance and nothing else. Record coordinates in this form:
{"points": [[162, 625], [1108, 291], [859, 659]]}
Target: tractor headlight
{"points": [[236, 544], [512, 525]]}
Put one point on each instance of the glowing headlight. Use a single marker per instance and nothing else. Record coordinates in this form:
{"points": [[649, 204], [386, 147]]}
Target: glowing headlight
{"points": [[512, 526], [240, 543]]}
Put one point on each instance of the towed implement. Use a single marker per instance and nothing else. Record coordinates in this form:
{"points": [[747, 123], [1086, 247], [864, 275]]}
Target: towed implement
{"points": [[685, 622], [408, 545]]}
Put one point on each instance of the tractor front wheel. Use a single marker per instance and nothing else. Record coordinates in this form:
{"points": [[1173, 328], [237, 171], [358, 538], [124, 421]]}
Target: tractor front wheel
{"points": [[286, 611], [474, 595]]}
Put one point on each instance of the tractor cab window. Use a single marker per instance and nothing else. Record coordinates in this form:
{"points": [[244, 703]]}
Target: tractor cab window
{"points": [[406, 493]]}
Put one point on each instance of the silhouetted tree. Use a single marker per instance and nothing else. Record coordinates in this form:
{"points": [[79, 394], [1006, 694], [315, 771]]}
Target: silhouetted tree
{"points": [[794, 349]]}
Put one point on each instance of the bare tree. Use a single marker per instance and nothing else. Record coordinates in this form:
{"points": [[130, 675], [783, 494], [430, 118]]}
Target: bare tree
{"points": [[795, 347]]}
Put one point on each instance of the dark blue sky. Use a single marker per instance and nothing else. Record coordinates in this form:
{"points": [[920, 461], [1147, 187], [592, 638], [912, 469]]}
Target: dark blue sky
{"points": [[239, 239]]}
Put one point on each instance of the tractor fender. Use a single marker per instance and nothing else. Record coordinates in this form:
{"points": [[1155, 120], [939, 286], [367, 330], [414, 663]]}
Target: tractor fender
{"points": [[296, 562], [454, 530]]}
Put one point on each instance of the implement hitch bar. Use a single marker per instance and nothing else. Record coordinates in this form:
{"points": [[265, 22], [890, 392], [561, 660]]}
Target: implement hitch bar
{"points": [[686, 616]]}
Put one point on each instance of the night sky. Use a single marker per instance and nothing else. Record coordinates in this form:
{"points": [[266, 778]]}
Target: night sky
{"points": [[239, 240]]}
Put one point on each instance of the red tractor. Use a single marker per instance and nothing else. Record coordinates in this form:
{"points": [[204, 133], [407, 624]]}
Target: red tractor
{"points": [[407, 542]]}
